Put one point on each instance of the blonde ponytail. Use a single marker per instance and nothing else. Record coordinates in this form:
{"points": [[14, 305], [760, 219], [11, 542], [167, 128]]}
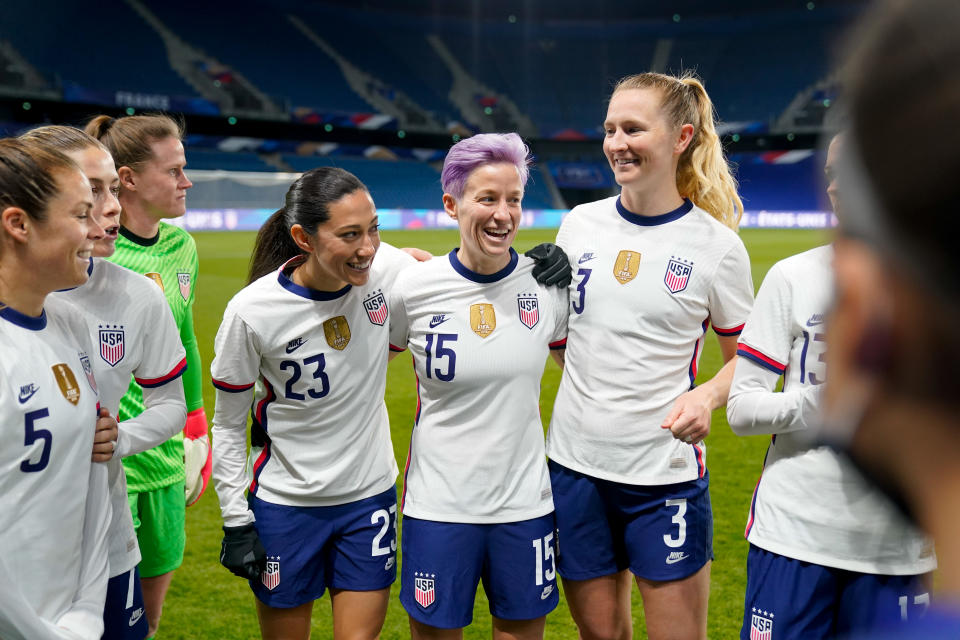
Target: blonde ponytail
{"points": [[703, 174]]}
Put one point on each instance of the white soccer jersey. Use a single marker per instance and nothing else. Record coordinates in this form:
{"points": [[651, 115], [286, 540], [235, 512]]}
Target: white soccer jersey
{"points": [[809, 504], [54, 504], [133, 334], [318, 361], [479, 343], [644, 291]]}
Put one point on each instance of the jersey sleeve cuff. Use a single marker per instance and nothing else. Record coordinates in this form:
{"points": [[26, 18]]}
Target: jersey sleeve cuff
{"points": [[175, 373], [734, 331], [231, 388], [559, 344], [760, 358], [397, 349]]}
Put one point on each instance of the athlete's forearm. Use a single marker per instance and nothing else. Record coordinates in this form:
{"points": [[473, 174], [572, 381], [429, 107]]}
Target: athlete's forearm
{"points": [[754, 408], [229, 455], [164, 416], [193, 376]]}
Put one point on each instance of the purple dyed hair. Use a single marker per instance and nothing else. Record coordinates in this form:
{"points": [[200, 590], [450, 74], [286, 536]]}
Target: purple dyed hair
{"points": [[482, 149]]}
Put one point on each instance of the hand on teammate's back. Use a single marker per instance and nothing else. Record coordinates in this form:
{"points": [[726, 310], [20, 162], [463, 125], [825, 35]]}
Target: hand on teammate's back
{"points": [[553, 267], [242, 552]]}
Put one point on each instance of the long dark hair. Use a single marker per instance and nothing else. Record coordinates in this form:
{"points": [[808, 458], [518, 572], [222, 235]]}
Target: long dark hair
{"points": [[307, 203]]}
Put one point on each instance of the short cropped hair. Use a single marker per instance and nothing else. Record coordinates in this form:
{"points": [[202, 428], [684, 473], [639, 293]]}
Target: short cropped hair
{"points": [[479, 150]]}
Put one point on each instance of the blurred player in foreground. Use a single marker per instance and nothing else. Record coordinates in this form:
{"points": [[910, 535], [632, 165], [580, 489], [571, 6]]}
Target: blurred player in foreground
{"points": [[54, 503], [893, 345], [477, 502], [306, 343], [655, 267], [160, 481], [134, 335], [829, 555]]}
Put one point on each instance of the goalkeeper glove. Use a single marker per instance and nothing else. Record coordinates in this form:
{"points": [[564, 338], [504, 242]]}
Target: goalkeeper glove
{"points": [[197, 456], [552, 266], [242, 552]]}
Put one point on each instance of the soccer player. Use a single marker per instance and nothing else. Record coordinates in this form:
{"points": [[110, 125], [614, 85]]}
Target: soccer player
{"points": [[150, 162], [477, 501], [655, 267], [54, 503], [828, 554], [892, 341], [307, 345], [133, 330]]}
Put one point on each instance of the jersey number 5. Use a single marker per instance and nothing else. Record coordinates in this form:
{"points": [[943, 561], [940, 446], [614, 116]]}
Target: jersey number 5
{"points": [[31, 435]]}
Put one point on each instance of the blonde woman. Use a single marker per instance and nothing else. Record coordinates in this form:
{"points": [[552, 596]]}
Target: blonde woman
{"points": [[654, 267]]}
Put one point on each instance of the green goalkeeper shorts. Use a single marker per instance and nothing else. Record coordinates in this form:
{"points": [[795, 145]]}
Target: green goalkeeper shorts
{"points": [[159, 516]]}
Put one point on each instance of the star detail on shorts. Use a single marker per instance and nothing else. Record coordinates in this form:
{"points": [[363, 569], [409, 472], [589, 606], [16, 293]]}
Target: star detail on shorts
{"points": [[767, 614]]}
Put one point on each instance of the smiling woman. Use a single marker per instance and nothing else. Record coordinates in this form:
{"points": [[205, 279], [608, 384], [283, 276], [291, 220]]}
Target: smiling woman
{"points": [[306, 343], [477, 501], [657, 265], [53, 501]]}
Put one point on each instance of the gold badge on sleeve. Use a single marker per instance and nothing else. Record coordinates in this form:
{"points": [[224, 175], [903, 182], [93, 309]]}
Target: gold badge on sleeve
{"points": [[337, 332], [156, 277], [626, 267], [483, 320], [67, 383]]}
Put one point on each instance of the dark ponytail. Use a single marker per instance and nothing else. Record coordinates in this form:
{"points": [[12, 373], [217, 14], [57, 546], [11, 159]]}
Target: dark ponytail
{"points": [[308, 203]]}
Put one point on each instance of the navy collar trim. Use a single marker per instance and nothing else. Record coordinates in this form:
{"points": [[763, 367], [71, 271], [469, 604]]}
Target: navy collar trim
{"points": [[481, 277], [140, 240], [652, 221], [22, 320], [305, 292]]}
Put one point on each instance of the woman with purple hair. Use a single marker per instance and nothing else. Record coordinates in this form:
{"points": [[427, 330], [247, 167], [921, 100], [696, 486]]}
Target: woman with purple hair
{"points": [[477, 502]]}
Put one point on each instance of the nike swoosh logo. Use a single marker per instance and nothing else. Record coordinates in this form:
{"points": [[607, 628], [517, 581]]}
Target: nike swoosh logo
{"points": [[294, 346], [811, 323], [135, 617], [585, 257], [27, 393], [438, 320], [815, 319], [674, 560]]}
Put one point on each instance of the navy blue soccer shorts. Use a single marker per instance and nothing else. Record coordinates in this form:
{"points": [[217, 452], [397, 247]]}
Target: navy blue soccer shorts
{"points": [[443, 562], [788, 598], [124, 617], [350, 546], [659, 532]]}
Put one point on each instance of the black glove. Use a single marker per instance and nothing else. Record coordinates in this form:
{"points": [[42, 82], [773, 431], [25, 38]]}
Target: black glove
{"points": [[242, 552], [552, 266]]}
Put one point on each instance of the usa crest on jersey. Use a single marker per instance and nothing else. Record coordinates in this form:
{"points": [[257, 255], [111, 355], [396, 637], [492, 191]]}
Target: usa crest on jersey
{"points": [[376, 307], [761, 627], [112, 344], [88, 370], [424, 591], [337, 332], [183, 279], [529, 308], [677, 275], [483, 319], [271, 575]]}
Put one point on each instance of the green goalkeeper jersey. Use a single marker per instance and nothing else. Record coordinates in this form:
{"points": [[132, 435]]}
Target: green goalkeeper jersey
{"points": [[170, 260]]}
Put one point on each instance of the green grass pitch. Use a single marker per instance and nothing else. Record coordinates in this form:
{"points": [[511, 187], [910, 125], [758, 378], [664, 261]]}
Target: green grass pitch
{"points": [[207, 602]]}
